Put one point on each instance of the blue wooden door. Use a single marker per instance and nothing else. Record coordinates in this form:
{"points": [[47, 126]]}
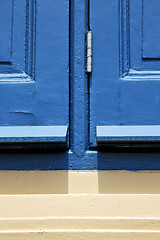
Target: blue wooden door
{"points": [[125, 83], [34, 63]]}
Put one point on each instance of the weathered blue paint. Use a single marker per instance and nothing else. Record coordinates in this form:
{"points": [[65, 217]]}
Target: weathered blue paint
{"points": [[42, 97], [78, 79], [34, 65], [125, 83], [91, 160]]}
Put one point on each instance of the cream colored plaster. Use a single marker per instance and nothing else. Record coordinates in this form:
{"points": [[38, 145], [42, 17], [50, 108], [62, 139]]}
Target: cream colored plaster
{"points": [[80, 217], [79, 223], [83, 182], [79, 182], [81, 235], [80, 205]]}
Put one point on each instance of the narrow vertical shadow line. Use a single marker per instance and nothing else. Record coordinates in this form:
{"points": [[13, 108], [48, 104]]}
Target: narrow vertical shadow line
{"points": [[88, 77], [89, 15], [71, 82]]}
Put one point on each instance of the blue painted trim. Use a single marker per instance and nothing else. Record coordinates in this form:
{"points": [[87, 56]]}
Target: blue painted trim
{"points": [[34, 134], [91, 160], [79, 157], [127, 133], [79, 105]]}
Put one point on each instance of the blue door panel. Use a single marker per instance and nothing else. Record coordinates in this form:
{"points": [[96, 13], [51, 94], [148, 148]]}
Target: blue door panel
{"points": [[125, 82], [140, 102], [17, 104], [104, 85], [52, 62], [5, 28], [139, 35], [34, 63], [151, 35]]}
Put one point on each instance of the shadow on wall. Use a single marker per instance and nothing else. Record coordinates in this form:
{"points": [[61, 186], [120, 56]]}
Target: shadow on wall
{"points": [[131, 161], [33, 173], [128, 172]]}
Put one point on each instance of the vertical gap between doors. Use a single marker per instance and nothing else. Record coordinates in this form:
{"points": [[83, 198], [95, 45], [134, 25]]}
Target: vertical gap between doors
{"points": [[88, 76]]}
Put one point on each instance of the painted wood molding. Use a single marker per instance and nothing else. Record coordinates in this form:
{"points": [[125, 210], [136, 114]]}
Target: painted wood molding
{"points": [[128, 135], [25, 137]]}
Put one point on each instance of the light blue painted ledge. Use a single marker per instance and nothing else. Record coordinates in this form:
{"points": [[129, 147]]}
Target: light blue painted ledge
{"points": [[107, 134], [54, 136]]}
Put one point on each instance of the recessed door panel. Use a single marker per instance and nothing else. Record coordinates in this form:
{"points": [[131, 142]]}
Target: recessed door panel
{"points": [[6, 30], [125, 82], [34, 74]]}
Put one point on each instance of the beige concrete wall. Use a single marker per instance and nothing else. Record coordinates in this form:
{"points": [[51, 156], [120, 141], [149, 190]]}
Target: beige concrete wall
{"points": [[79, 205], [77, 182]]}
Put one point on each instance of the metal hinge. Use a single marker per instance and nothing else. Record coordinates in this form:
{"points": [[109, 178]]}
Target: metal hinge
{"points": [[89, 52]]}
